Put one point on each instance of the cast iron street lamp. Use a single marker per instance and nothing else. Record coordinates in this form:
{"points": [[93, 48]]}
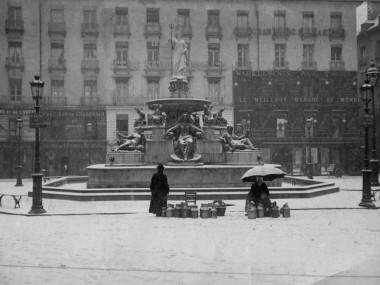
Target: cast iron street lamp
{"points": [[37, 87], [372, 75], [89, 130], [19, 166], [309, 124], [367, 172]]}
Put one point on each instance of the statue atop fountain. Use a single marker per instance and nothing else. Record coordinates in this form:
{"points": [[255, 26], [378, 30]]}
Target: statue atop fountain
{"points": [[158, 117], [140, 121], [131, 143], [232, 142]]}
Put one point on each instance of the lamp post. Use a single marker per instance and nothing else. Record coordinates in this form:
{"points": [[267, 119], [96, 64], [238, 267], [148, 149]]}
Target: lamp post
{"points": [[89, 130], [372, 75], [19, 166], [309, 124], [366, 172], [37, 87]]}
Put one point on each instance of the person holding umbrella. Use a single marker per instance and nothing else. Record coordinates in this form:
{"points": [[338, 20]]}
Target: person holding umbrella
{"points": [[257, 189]]}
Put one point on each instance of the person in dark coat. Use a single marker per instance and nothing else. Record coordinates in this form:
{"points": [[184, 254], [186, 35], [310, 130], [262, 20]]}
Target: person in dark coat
{"points": [[257, 188], [159, 189]]}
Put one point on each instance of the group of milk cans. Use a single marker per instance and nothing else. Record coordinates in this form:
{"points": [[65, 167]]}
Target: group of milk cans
{"points": [[260, 211], [183, 210]]}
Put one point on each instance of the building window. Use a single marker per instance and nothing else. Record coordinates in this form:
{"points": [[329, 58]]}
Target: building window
{"points": [[14, 16], [57, 15], [280, 127], [89, 18], [308, 91], [57, 89], [214, 90], [279, 20], [336, 21], [122, 121], [308, 56], [243, 55], [183, 18], [90, 51], [15, 89], [336, 54], [15, 52], [122, 53], [90, 89], [57, 52], [153, 16], [214, 55], [153, 88], [279, 55], [242, 20], [121, 16], [153, 51], [308, 22], [122, 90], [213, 18], [12, 127]]}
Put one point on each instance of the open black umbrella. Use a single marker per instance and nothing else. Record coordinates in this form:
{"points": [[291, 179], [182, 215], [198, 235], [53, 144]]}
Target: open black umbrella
{"points": [[268, 171]]}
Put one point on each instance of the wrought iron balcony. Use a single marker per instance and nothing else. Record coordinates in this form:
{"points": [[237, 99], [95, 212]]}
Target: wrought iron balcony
{"points": [[56, 64], [55, 100], [122, 30], [215, 65], [57, 28], [243, 65], [336, 33], [308, 33], [155, 65], [337, 66], [281, 65], [14, 27], [309, 65], [152, 29], [214, 32], [90, 65], [90, 29], [245, 32], [186, 31], [90, 100], [15, 63], [123, 65]]}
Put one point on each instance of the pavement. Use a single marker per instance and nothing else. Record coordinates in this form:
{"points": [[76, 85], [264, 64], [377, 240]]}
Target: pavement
{"points": [[328, 240]]}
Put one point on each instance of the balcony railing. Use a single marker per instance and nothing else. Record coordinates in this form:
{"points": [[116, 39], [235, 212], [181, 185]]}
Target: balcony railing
{"points": [[308, 33], [245, 32], [245, 65], [215, 65], [309, 65], [152, 29], [281, 66], [57, 28], [337, 65], [335, 33], [214, 32], [154, 65], [6, 99], [56, 64], [281, 32], [186, 31], [121, 65], [90, 29], [90, 100], [57, 101], [14, 27], [15, 64], [90, 65], [122, 30]]}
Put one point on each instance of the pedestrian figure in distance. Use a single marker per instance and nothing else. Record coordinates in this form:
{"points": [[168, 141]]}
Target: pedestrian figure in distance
{"points": [[159, 189]]}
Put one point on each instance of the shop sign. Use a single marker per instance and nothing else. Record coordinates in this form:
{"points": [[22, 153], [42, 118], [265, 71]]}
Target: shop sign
{"points": [[36, 121]]}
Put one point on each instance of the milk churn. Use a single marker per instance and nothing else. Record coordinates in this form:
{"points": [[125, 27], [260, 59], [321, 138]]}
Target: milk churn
{"points": [[260, 211], [275, 210], [214, 212], [170, 211], [205, 211], [251, 211], [194, 212], [185, 210], [177, 211], [285, 211], [163, 211]]}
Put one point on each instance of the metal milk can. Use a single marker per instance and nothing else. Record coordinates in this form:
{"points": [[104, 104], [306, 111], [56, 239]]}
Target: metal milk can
{"points": [[251, 211], [170, 211], [185, 210], [214, 213], [275, 211], [205, 211], [194, 212], [177, 211], [285, 211], [163, 211], [260, 211]]}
